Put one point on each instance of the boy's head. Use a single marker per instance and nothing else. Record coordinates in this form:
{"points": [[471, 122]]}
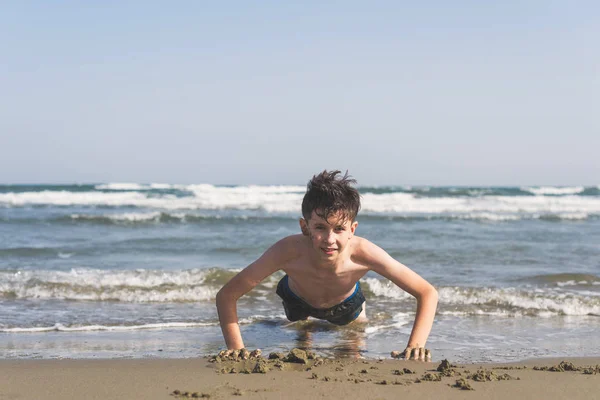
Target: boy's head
{"points": [[329, 194]]}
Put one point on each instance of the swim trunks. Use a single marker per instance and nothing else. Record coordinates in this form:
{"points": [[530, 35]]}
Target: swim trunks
{"points": [[297, 309]]}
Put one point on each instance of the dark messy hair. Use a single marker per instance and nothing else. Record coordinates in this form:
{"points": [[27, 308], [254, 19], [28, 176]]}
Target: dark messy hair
{"points": [[327, 194]]}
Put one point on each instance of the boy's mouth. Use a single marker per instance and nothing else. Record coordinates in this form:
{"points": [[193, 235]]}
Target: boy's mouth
{"points": [[328, 250]]}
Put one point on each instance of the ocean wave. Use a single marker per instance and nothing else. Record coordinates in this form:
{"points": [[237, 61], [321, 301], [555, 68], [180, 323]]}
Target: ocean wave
{"points": [[123, 186], [130, 286], [141, 286], [29, 252], [199, 197], [102, 285], [202, 217], [502, 300], [163, 217], [565, 279], [154, 216], [166, 217], [287, 200], [554, 190]]}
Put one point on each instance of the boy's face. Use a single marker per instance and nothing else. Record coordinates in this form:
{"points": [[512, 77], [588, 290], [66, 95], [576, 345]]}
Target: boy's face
{"points": [[328, 237]]}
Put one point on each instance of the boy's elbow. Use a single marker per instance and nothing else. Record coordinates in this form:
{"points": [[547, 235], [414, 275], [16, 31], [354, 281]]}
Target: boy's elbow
{"points": [[434, 294], [430, 295], [221, 297], [224, 296]]}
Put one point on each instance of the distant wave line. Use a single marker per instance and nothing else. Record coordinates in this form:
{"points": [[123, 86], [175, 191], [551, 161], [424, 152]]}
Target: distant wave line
{"points": [[157, 217]]}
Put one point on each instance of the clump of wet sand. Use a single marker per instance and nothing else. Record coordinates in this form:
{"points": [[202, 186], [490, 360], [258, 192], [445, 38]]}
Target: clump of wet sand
{"points": [[484, 375], [189, 395], [402, 371], [429, 377], [561, 367], [565, 366], [447, 369], [462, 384], [592, 370], [244, 361]]}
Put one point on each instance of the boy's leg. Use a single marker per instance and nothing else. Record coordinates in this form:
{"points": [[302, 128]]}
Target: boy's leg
{"points": [[362, 317]]}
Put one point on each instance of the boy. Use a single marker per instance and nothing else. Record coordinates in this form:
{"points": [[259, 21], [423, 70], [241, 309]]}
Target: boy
{"points": [[323, 266]]}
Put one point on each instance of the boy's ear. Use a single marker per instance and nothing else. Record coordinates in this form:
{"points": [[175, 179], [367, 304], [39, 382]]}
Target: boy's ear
{"points": [[353, 226], [303, 226]]}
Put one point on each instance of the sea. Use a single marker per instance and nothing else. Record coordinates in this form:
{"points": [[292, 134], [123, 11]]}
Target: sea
{"points": [[131, 270]]}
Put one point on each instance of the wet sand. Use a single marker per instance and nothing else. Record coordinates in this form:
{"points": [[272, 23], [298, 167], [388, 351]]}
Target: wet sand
{"points": [[265, 378]]}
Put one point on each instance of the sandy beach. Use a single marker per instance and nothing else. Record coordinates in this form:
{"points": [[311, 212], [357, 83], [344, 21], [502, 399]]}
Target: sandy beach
{"points": [[264, 378]]}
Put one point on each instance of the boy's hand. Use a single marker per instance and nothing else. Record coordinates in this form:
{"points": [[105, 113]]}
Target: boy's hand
{"points": [[417, 353], [413, 353]]}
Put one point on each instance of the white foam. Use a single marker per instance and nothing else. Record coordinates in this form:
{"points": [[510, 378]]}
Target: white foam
{"points": [[401, 319], [208, 197], [66, 198], [505, 300], [138, 186], [568, 283], [287, 199], [127, 217], [164, 186], [122, 186], [269, 198], [553, 190], [577, 283], [386, 288], [454, 313], [510, 298], [487, 216], [504, 206], [87, 328], [137, 286], [259, 317], [574, 216]]}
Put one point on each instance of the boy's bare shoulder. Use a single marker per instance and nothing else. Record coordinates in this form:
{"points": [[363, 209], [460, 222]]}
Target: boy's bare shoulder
{"points": [[361, 245], [289, 248], [365, 252]]}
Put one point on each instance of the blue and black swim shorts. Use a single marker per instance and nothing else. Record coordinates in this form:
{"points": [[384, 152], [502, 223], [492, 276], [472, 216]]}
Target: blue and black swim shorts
{"points": [[297, 309]]}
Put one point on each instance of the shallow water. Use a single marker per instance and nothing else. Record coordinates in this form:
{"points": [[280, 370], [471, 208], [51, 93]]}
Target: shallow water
{"points": [[132, 270]]}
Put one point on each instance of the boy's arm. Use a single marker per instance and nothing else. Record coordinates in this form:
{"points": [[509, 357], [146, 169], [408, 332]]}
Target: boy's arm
{"points": [[242, 283], [381, 262]]}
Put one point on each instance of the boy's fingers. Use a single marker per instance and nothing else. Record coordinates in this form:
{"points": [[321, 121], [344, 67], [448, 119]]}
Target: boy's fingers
{"points": [[420, 354], [415, 354]]}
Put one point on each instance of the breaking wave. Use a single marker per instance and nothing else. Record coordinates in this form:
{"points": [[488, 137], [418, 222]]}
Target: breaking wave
{"points": [[132, 286], [165, 202], [502, 301], [195, 285]]}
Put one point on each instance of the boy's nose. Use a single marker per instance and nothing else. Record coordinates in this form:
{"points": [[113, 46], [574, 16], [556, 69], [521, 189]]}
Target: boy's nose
{"points": [[330, 238]]}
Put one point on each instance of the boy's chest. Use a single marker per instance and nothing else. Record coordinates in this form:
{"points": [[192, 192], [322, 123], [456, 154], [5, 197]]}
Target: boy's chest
{"points": [[320, 287]]}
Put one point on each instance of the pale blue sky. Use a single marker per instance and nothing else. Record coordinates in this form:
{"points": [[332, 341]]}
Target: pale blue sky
{"points": [[267, 92]]}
